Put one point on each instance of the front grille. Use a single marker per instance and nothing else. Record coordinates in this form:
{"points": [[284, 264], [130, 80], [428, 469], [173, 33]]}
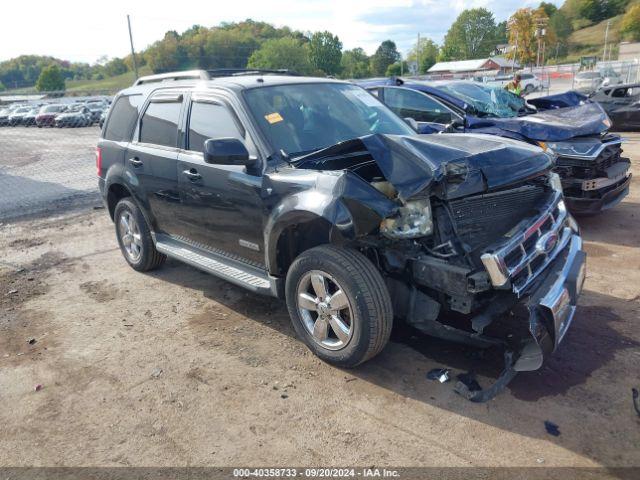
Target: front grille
{"points": [[482, 219], [585, 168], [527, 254]]}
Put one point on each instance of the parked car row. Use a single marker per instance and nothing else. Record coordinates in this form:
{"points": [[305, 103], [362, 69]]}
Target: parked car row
{"points": [[327, 196], [79, 114]]}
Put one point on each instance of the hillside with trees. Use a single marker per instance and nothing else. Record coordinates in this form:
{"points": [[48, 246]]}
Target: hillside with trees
{"points": [[576, 28]]}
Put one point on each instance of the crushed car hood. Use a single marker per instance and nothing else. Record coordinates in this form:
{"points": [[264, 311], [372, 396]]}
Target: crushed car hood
{"points": [[549, 125], [459, 164]]}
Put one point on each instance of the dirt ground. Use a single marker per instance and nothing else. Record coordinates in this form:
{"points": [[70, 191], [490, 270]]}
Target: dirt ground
{"points": [[178, 368]]}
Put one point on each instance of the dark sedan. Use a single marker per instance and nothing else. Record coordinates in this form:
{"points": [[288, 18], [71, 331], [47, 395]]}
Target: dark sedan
{"points": [[30, 118], [47, 115], [622, 104], [96, 107], [595, 174]]}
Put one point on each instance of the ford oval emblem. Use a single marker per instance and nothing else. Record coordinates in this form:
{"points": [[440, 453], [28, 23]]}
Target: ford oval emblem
{"points": [[546, 243]]}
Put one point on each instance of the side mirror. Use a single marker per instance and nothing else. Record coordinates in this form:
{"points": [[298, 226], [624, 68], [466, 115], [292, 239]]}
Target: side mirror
{"points": [[453, 125], [226, 151], [412, 123]]}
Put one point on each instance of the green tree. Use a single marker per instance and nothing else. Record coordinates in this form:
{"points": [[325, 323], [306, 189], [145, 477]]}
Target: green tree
{"points": [[385, 55], [2, 87], [559, 22], [355, 64], [597, 10], [325, 52], [397, 69], [549, 8], [115, 66], [167, 54], [50, 80], [427, 53], [472, 35], [286, 52], [630, 26], [502, 35]]}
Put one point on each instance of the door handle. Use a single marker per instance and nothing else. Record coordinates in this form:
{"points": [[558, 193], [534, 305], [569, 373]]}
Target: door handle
{"points": [[192, 174], [135, 161]]}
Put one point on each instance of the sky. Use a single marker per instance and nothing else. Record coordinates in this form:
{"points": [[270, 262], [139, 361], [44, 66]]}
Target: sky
{"points": [[87, 30]]}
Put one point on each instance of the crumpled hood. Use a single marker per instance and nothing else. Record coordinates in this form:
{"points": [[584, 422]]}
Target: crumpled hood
{"points": [[460, 164], [549, 125]]}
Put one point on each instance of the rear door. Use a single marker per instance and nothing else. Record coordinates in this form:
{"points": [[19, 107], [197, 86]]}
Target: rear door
{"points": [[151, 159], [221, 204]]}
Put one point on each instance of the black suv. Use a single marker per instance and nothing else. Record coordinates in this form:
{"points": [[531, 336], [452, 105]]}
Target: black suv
{"points": [[313, 191]]}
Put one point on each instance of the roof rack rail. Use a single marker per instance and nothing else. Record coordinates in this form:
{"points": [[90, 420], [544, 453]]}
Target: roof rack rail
{"points": [[232, 72], [173, 76]]}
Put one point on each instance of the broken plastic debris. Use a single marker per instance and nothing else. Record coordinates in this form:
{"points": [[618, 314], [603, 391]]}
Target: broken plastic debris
{"points": [[31, 341], [469, 381], [156, 373], [440, 374], [38, 387], [552, 428]]}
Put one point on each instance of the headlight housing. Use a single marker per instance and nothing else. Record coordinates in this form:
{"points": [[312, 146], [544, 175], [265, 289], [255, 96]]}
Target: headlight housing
{"points": [[555, 182], [413, 220], [589, 148]]}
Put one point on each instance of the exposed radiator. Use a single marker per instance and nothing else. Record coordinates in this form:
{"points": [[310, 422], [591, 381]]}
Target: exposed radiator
{"points": [[482, 219]]}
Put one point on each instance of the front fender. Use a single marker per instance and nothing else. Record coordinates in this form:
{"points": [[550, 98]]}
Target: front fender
{"points": [[349, 209]]}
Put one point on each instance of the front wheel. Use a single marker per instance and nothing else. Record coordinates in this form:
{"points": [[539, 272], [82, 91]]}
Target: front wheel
{"points": [[339, 305]]}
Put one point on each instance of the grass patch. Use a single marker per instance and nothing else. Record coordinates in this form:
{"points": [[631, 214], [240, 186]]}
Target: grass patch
{"points": [[107, 85]]}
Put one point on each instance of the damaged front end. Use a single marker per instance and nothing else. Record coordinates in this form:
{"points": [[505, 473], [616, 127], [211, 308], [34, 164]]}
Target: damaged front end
{"points": [[481, 248], [595, 175]]}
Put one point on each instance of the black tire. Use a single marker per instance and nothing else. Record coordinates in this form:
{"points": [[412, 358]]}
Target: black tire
{"points": [[149, 258], [370, 311]]}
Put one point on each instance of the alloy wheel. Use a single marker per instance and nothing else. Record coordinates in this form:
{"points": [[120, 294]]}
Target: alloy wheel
{"points": [[325, 310]]}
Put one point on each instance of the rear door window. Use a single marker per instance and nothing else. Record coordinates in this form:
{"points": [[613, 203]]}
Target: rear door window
{"points": [[159, 124], [210, 120], [422, 108], [124, 114]]}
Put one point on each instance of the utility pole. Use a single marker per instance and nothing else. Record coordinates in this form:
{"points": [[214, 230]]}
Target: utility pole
{"points": [[418, 56], [606, 36], [133, 53]]}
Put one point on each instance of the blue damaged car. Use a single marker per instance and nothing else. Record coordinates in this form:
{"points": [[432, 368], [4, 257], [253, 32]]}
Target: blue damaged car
{"points": [[595, 176]]}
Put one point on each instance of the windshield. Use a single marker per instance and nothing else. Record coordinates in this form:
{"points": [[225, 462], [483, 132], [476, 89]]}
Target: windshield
{"points": [[486, 101], [302, 118], [22, 110]]}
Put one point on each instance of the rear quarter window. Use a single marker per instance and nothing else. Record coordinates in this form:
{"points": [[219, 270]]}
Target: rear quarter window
{"points": [[124, 114]]}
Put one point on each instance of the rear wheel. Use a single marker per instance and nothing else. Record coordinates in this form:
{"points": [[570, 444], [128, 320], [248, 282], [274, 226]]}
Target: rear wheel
{"points": [[339, 305], [134, 237]]}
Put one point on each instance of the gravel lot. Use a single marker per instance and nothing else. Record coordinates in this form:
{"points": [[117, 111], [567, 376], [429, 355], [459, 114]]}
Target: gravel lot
{"points": [[44, 169], [179, 368]]}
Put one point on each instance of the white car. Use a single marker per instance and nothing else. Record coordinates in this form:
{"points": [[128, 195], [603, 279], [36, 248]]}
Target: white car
{"points": [[529, 82]]}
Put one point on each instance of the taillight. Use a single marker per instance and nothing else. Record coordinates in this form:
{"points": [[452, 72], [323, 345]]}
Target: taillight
{"points": [[99, 161]]}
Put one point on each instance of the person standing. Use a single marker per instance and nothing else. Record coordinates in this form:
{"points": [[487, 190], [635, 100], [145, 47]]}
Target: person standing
{"points": [[514, 86]]}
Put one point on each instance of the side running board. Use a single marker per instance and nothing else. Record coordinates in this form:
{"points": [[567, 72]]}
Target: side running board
{"points": [[247, 276]]}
